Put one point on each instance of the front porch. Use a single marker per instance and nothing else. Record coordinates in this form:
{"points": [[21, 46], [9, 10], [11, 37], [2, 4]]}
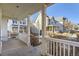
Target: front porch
{"points": [[15, 46], [21, 45]]}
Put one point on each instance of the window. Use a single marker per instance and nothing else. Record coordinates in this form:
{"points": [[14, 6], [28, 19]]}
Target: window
{"points": [[14, 22], [20, 22], [24, 22]]}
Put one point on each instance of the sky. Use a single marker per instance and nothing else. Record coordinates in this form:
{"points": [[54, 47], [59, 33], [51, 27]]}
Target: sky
{"points": [[68, 10]]}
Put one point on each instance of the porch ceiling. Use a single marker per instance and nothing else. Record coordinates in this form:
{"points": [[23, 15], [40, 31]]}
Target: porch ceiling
{"points": [[19, 10]]}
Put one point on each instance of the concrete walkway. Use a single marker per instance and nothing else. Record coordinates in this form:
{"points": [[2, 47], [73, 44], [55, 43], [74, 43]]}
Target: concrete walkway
{"points": [[15, 47]]}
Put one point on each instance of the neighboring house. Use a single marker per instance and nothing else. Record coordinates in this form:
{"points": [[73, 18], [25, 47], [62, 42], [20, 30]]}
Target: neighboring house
{"points": [[61, 24], [54, 24], [78, 26], [50, 22]]}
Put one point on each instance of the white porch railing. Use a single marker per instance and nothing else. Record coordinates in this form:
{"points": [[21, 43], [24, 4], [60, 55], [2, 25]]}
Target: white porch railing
{"points": [[59, 47]]}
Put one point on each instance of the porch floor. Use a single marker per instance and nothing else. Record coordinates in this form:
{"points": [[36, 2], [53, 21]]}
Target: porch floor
{"points": [[15, 47]]}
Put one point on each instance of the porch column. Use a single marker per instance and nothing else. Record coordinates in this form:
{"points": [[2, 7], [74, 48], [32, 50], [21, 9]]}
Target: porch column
{"points": [[43, 46], [28, 29], [3, 30], [0, 31], [4, 33], [43, 21]]}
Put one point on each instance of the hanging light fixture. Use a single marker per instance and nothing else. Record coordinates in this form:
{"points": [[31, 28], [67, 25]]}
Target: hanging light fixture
{"points": [[17, 6]]}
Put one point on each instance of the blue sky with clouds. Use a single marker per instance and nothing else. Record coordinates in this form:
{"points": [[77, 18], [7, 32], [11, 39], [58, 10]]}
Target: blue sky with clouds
{"points": [[69, 10]]}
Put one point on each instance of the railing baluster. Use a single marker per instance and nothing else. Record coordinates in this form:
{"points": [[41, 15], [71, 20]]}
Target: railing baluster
{"points": [[60, 48], [53, 48], [56, 48], [64, 49], [73, 50], [68, 50], [48, 47], [0, 47]]}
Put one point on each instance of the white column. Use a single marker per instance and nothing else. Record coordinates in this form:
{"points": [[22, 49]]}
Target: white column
{"points": [[43, 21], [4, 29], [28, 29], [43, 46], [0, 31]]}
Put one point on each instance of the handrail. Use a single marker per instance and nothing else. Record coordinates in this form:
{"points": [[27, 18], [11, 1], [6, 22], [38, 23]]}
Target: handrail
{"points": [[72, 43]]}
